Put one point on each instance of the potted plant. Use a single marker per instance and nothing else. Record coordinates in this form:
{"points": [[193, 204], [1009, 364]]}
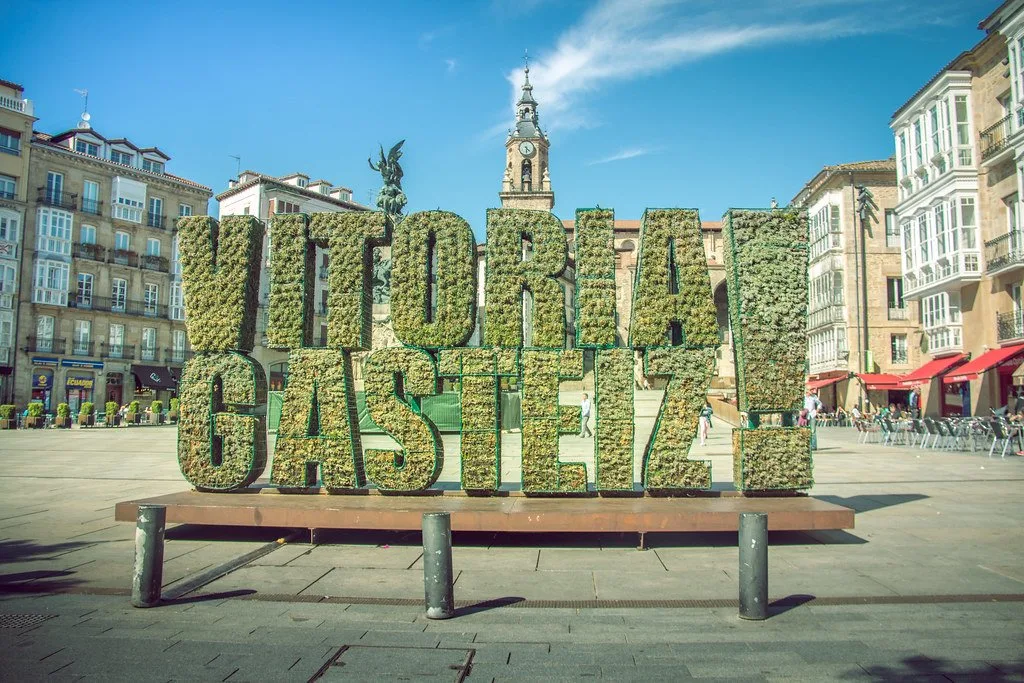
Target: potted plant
{"points": [[172, 414], [63, 420], [156, 410], [133, 413], [35, 419], [8, 416], [86, 416], [112, 418]]}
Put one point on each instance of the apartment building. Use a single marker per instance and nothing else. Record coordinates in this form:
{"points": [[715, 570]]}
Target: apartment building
{"points": [[266, 196], [101, 315], [860, 329], [15, 133], [959, 145]]}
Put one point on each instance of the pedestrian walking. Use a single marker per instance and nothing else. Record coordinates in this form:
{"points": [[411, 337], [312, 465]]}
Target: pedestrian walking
{"points": [[705, 421], [585, 417], [812, 405], [915, 403]]}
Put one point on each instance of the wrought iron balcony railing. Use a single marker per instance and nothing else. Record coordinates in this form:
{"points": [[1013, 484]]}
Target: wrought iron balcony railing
{"points": [[45, 345], [158, 263], [177, 356], [93, 252], [92, 206], [118, 351], [896, 313], [1004, 252], [81, 348], [61, 200], [995, 137], [123, 257], [117, 305], [1009, 326]]}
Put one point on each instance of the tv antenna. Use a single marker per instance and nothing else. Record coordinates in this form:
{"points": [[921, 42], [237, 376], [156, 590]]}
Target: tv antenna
{"points": [[238, 164], [84, 123]]}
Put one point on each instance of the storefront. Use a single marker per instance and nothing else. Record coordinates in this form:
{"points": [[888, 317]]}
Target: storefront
{"points": [[42, 381], [995, 369], [831, 389], [153, 382], [938, 398], [115, 388], [882, 390], [80, 381]]}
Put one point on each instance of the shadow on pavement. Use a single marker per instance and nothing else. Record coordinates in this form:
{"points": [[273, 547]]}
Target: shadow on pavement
{"points": [[783, 605], [207, 597], [38, 580], [867, 503], [486, 605], [921, 668]]}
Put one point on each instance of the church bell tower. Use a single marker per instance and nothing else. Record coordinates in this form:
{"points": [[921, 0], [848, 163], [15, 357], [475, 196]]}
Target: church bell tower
{"points": [[526, 184]]}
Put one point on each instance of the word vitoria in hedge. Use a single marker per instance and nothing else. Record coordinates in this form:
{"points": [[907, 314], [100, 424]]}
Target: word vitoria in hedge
{"points": [[766, 272], [522, 324]]}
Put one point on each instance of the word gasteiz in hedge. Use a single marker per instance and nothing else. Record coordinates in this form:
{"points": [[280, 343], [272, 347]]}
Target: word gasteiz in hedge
{"points": [[222, 443]]}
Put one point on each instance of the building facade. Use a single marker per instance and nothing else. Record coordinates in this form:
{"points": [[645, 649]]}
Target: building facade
{"points": [[858, 320], [16, 121], [101, 316], [265, 197], [959, 145]]}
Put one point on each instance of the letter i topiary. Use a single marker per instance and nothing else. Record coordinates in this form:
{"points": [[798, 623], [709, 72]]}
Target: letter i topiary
{"points": [[766, 268], [393, 377], [319, 424], [613, 433], [544, 419]]}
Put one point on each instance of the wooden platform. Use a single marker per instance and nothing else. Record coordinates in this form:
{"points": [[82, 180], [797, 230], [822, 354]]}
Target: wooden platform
{"points": [[497, 514]]}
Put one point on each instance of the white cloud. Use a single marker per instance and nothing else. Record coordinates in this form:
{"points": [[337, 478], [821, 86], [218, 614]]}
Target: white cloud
{"points": [[621, 40], [627, 153], [451, 65]]}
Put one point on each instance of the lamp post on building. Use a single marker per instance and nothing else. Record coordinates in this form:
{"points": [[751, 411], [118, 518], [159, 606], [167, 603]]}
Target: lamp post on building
{"points": [[865, 202]]}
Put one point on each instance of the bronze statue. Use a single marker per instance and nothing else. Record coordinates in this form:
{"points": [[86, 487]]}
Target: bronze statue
{"points": [[391, 200]]}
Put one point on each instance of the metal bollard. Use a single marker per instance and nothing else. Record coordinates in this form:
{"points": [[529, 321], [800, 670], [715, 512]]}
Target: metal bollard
{"points": [[149, 556], [437, 565], [753, 565]]}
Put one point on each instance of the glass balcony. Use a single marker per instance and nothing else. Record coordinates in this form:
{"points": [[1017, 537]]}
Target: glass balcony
{"points": [[828, 315], [946, 339], [948, 273]]}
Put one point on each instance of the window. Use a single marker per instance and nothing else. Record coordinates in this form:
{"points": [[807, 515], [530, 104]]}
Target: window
{"points": [[184, 209], [54, 187], [6, 332], [116, 341], [152, 247], [175, 257], [9, 227], [527, 176], [51, 283], [301, 182], [918, 145], [1012, 213], [892, 230], [923, 236], [53, 231], [8, 279], [152, 166], [152, 297], [8, 187], [87, 234], [83, 332], [898, 348], [286, 207], [908, 245], [825, 231], [118, 294], [91, 197], [119, 157], [904, 163], [968, 226], [86, 147], [83, 298], [148, 343], [177, 311], [178, 346], [963, 131], [156, 208], [894, 290], [940, 230], [10, 142], [128, 197], [44, 333], [122, 240]]}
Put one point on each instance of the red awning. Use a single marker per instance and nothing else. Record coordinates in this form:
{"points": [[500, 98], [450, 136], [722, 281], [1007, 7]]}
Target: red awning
{"points": [[983, 363], [822, 383], [931, 369], [880, 381]]}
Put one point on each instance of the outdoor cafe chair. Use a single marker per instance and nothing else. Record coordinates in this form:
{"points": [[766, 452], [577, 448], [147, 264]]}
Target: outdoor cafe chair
{"points": [[933, 433], [918, 434], [1001, 433]]}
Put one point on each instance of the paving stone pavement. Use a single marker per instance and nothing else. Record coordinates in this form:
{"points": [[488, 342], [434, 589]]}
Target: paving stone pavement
{"points": [[933, 529]]}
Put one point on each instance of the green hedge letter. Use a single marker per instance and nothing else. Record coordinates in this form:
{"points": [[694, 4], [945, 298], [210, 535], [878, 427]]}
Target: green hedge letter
{"points": [[613, 434], [595, 279], [544, 419]]}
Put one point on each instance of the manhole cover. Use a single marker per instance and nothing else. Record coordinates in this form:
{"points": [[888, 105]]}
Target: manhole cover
{"points": [[370, 661], [22, 620]]}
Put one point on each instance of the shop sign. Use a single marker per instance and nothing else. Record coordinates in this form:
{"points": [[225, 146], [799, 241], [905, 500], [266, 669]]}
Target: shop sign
{"points": [[80, 383], [88, 364], [42, 380], [43, 360]]}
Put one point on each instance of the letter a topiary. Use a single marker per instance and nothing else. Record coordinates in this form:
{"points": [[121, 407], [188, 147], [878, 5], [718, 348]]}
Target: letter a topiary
{"points": [[222, 429], [595, 280], [511, 272], [766, 268], [220, 271], [392, 378], [433, 280], [544, 419], [319, 424]]}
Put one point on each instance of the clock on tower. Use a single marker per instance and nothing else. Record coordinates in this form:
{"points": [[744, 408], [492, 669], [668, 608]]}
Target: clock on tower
{"points": [[526, 184]]}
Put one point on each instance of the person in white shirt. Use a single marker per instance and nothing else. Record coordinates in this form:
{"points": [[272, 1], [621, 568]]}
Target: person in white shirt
{"points": [[812, 405], [585, 417]]}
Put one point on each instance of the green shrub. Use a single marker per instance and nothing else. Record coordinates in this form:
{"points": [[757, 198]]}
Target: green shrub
{"points": [[319, 424], [544, 419], [8, 411], [508, 275], [133, 407], [672, 236], [220, 271], [111, 408], [595, 279], [63, 410], [175, 404], [87, 408], [772, 458], [35, 409], [237, 416], [418, 464], [454, 316], [156, 407]]}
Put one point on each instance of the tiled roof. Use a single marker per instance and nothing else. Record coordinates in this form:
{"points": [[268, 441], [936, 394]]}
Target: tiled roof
{"points": [[11, 84], [823, 176], [958, 61], [633, 225], [261, 178]]}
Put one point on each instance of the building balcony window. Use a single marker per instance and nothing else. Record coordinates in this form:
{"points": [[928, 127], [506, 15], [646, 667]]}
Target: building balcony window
{"points": [[118, 351], [995, 138], [155, 220], [6, 301], [944, 340], [92, 206], [323, 273], [81, 348], [1010, 326], [45, 345], [118, 305], [148, 354], [61, 200], [124, 257], [947, 273], [158, 263], [178, 356], [93, 252], [896, 313], [1005, 253], [827, 315]]}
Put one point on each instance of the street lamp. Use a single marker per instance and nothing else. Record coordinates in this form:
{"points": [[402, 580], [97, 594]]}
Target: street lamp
{"points": [[865, 203]]}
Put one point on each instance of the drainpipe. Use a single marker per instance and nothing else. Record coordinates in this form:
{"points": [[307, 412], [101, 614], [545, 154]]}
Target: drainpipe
{"points": [[857, 289]]}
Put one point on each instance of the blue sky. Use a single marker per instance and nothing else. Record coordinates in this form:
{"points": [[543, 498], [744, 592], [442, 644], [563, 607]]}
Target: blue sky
{"points": [[648, 103]]}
